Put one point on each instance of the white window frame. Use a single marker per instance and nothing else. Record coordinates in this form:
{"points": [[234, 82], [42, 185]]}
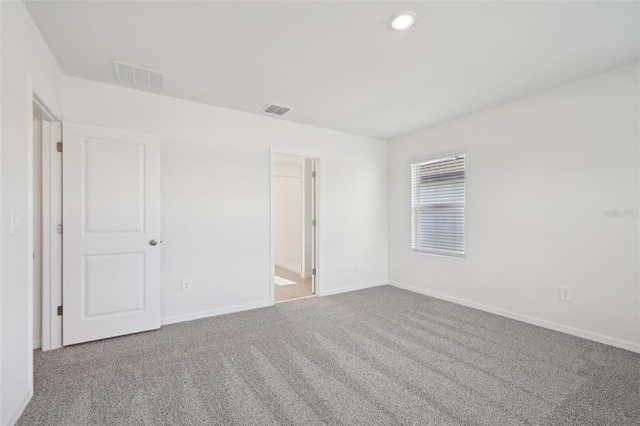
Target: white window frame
{"points": [[435, 158]]}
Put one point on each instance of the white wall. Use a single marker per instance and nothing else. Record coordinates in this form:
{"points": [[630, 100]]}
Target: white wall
{"points": [[540, 174], [216, 195], [288, 213], [25, 59]]}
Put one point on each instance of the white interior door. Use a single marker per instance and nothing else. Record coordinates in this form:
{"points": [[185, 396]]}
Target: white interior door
{"points": [[111, 218]]}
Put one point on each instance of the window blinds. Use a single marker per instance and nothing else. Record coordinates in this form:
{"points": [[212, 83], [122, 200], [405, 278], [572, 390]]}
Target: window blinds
{"points": [[437, 206]]}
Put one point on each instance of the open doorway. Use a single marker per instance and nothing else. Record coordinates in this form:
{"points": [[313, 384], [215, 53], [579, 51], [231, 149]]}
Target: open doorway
{"points": [[294, 192]]}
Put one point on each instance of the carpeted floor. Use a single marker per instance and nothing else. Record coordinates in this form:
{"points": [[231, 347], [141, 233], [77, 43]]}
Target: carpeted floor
{"points": [[381, 356]]}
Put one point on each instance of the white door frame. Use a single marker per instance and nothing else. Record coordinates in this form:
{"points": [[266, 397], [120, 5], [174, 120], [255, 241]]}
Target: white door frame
{"points": [[51, 218], [308, 211], [317, 206]]}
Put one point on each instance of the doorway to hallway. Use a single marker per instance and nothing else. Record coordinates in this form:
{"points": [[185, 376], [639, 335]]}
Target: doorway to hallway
{"points": [[294, 227]]}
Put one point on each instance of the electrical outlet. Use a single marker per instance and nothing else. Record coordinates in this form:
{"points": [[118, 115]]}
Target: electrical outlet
{"points": [[565, 293], [186, 284]]}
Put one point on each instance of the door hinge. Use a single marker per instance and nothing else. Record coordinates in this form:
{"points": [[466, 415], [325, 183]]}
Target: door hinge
{"points": [[313, 222], [59, 147], [60, 310], [313, 174], [60, 229], [313, 271]]}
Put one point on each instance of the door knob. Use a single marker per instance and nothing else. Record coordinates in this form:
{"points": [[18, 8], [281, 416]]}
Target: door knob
{"points": [[153, 242]]}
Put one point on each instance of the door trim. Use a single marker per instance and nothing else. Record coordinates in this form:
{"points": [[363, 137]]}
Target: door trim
{"points": [[51, 239], [51, 217], [318, 215]]}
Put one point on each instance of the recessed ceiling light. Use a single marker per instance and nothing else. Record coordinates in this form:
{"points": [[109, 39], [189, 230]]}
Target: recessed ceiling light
{"points": [[403, 20]]}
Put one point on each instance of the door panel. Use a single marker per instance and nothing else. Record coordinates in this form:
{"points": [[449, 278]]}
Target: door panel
{"points": [[113, 283], [114, 201], [111, 212]]}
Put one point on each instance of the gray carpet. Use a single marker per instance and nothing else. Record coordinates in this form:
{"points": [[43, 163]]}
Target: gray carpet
{"points": [[382, 356]]}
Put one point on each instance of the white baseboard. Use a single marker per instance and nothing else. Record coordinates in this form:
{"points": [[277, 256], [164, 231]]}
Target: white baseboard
{"points": [[287, 268], [37, 343], [214, 312], [351, 288], [611, 341], [13, 420]]}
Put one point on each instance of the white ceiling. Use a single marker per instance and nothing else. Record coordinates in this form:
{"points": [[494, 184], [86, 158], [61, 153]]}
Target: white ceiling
{"points": [[338, 64]]}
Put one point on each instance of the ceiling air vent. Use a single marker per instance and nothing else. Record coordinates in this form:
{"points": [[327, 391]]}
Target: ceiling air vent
{"points": [[276, 109], [139, 76]]}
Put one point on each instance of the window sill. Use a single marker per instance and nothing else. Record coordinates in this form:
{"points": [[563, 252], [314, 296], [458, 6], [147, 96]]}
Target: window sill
{"points": [[428, 253]]}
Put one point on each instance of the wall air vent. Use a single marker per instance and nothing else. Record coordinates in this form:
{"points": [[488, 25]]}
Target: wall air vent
{"points": [[276, 109], [138, 76]]}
